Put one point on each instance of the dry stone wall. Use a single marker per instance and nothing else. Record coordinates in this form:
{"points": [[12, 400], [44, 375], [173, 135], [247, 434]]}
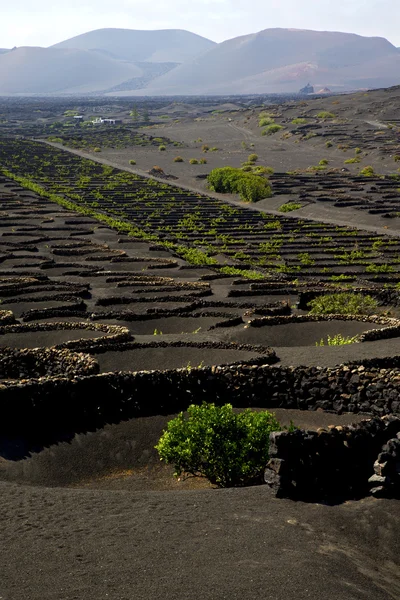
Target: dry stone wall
{"points": [[338, 463]]}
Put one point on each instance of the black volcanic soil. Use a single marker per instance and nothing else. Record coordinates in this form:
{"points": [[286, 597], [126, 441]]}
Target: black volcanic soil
{"points": [[99, 518]]}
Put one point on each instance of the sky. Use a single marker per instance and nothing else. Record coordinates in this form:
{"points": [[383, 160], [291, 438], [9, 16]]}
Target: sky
{"points": [[46, 22]]}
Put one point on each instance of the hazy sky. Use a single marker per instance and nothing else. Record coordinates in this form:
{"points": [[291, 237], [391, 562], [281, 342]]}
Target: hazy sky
{"points": [[45, 22]]}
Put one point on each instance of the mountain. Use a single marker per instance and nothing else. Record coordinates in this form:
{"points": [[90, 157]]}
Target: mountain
{"points": [[30, 70], [283, 60], [4, 50], [168, 45], [176, 62]]}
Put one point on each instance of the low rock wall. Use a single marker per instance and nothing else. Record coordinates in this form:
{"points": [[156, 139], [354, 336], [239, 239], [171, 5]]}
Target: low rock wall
{"points": [[28, 364], [338, 463], [56, 404]]}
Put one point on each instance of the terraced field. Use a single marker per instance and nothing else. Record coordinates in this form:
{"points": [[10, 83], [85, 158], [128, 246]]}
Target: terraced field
{"points": [[202, 229]]}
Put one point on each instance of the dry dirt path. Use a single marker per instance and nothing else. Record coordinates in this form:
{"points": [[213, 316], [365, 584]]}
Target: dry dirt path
{"points": [[313, 212]]}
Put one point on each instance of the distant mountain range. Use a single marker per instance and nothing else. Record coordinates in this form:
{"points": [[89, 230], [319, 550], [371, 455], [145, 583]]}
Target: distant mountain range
{"points": [[177, 62]]}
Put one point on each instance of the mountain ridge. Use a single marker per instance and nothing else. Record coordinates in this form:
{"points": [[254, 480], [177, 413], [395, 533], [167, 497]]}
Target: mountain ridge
{"points": [[177, 62]]}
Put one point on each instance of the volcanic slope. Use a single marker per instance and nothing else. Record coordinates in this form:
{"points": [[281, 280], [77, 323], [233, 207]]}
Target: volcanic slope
{"points": [[282, 60], [165, 45]]}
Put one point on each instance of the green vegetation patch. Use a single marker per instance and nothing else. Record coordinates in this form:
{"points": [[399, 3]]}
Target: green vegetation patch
{"points": [[229, 448], [229, 180], [337, 340], [289, 207], [343, 303]]}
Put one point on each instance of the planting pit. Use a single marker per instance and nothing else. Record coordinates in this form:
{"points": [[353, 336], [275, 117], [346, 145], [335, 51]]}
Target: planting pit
{"points": [[297, 333], [61, 335], [164, 356], [123, 457]]}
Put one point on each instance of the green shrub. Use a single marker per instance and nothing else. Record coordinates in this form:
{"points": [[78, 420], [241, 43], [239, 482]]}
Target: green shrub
{"points": [[325, 115], [264, 121], [97, 149], [343, 303], [55, 140], [396, 157], [205, 148], [351, 161], [203, 161], [230, 449], [289, 206], [299, 121], [253, 158], [323, 162], [178, 159], [328, 144], [193, 161], [368, 171], [229, 180], [214, 149], [260, 170], [162, 148], [358, 150], [271, 129], [337, 340], [247, 168], [132, 162]]}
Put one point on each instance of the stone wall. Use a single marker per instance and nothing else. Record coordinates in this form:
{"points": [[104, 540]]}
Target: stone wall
{"points": [[338, 463], [46, 407], [44, 362]]}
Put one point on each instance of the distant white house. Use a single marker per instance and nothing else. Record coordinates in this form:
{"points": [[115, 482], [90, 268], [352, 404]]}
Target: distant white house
{"points": [[101, 121], [78, 117]]}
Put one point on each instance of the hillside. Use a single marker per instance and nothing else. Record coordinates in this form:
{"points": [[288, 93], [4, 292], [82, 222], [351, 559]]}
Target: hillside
{"points": [[29, 70], [169, 45], [283, 60]]}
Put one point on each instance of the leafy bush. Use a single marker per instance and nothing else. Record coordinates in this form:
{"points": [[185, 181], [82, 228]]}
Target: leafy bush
{"points": [[344, 303], [229, 180], [132, 162], [230, 449], [328, 144], [396, 157], [351, 161], [247, 168], [205, 148], [299, 121], [178, 159], [325, 115], [97, 149], [253, 157], [260, 170], [203, 161], [193, 161], [264, 121], [162, 148], [323, 162], [368, 171], [337, 340], [271, 129], [289, 206]]}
